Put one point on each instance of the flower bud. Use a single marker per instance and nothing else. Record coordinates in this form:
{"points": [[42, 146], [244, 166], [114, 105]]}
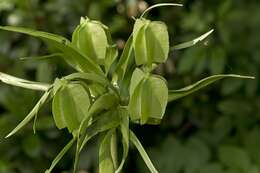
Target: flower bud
{"points": [[148, 98], [150, 42], [70, 106], [92, 39]]}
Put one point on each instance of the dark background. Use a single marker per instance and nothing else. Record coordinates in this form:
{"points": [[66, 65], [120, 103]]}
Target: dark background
{"points": [[215, 130]]}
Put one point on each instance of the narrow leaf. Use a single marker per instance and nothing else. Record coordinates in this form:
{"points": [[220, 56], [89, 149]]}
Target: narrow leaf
{"points": [[106, 121], [113, 149], [176, 94], [89, 77], [111, 55], [44, 57], [60, 155], [105, 158], [124, 128], [85, 132], [71, 54], [192, 42], [160, 5], [126, 60], [142, 152], [33, 112], [77, 153], [11, 80], [103, 103]]}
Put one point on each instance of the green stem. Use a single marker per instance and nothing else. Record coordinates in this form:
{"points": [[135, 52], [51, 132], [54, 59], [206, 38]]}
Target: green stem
{"points": [[114, 152]]}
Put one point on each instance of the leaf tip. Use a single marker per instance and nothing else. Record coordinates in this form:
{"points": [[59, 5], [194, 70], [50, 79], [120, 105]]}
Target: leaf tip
{"points": [[249, 77], [201, 38], [9, 135]]}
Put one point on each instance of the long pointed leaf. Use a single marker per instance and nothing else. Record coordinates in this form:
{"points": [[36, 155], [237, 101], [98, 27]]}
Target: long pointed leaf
{"points": [[124, 128], [176, 94], [33, 112], [106, 121], [103, 123], [126, 60], [88, 76], [72, 55], [192, 42], [142, 152], [60, 155], [102, 103], [113, 149], [11, 80], [43, 57], [105, 158], [160, 5]]}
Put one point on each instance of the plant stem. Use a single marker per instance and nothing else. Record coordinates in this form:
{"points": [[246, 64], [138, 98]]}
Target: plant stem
{"points": [[114, 153]]}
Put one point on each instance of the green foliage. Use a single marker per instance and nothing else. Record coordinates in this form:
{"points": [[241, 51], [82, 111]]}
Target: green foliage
{"points": [[96, 83]]}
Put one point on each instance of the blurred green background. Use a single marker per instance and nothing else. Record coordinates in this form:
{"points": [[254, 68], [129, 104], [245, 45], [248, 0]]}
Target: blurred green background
{"points": [[216, 130]]}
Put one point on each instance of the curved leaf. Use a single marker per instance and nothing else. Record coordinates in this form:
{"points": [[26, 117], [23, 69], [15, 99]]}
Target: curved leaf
{"points": [[103, 103], [89, 77], [142, 152], [33, 112], [124, 128], [60, 155], [111, 55], [11, 80], [70, 53], [176, 94], [43, 57], [192, 42], [105, 158], [159, 5], [106, 121], [126, 59]]}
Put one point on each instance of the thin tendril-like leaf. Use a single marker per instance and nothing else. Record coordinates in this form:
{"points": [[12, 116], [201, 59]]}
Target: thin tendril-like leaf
{"points": [[77, 153], [124, 128], [142, 152], [34, 123], [192, 42], [33, 112], [113, 149], [176, 94], [159, 5], [42, 57], [60, 155], [72, 55], [11, 80]]}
